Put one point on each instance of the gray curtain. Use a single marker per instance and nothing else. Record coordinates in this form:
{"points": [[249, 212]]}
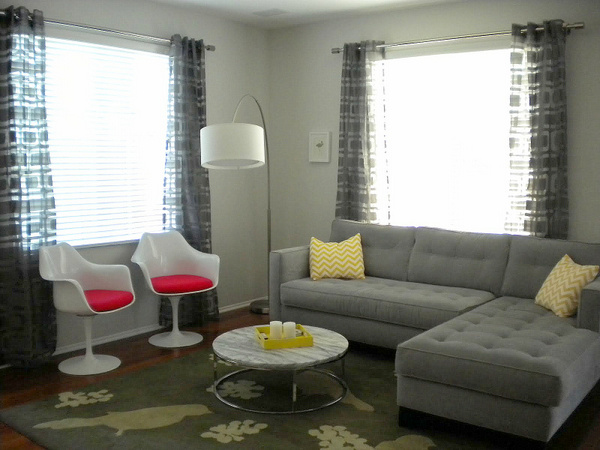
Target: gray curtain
{"points": [[187, 191], [539, 128], [356, 197], [27, 211]]}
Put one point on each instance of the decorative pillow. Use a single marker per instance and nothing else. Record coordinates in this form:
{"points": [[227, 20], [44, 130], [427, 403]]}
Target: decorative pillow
{"points": [[337, 259], [562, 289]]}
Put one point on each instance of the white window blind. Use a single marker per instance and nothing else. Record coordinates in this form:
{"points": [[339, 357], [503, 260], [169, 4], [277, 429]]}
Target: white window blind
{"points": [[444, 126], [107, 127]]}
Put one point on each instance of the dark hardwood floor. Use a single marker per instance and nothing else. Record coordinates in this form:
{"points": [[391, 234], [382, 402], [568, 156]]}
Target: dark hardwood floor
{"points": [[21, 386]]}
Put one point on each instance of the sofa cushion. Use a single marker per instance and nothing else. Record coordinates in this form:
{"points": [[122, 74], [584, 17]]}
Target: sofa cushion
{"points": [[336, 259], [386, 249], [561, 290], [509, 347], [413, 305], [531, 260], [452, 258]]}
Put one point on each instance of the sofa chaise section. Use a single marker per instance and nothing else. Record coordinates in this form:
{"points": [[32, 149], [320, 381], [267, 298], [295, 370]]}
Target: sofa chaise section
{"points": [[515, 366], [509, 365]]}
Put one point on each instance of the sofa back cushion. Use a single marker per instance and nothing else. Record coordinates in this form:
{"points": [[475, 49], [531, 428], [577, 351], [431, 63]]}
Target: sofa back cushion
{"points": [[386, 249], [454, 258], [532, 259]]}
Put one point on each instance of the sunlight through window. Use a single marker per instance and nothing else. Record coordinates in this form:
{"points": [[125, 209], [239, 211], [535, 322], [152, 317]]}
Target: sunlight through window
{"points": [[107, 126], [445, 139]]}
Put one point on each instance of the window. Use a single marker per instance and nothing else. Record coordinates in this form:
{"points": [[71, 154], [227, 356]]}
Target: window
{"points": [[107, 129], [443, 140]]}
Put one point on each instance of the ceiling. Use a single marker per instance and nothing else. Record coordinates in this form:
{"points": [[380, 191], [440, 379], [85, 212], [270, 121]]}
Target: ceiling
{"points": [[285, 13]]}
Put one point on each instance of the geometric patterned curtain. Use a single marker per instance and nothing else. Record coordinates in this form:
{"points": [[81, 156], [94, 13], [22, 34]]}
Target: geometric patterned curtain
{"points": [[538, 134], [187, 189], [356, 194], [27, 210]]}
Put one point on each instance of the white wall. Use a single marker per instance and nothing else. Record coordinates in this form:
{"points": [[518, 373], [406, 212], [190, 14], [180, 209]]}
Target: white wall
{"points": [[238, 66], [305, 89]]}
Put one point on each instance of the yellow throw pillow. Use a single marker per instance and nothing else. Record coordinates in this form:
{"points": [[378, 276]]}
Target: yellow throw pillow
{"points": [[337, 259], [562, 289]]}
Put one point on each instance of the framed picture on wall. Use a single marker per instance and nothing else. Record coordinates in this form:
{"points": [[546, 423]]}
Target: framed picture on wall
{"points": [[319, 146]]}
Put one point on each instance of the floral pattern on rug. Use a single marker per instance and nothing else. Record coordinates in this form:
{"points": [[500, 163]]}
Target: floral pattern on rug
{"points": [[338, 437], [81, 398], [234, 431], [244, 389]]}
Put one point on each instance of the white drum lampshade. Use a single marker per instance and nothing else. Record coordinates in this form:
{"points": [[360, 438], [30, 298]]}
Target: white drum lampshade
{"points": [[232, 146]]}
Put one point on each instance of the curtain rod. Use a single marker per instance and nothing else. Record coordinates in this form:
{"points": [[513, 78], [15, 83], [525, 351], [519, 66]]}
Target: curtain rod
{"points": [[568, 26], [125, 34]]}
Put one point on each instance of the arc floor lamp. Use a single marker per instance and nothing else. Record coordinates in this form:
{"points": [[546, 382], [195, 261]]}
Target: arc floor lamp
{"points": [[240, 146]]}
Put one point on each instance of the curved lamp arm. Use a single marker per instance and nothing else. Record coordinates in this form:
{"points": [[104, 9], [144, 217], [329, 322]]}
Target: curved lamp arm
{"points": [[267, 162]]}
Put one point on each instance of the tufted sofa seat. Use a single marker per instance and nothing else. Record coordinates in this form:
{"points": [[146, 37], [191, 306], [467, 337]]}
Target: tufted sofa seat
{"points": [[471, 344], [415, 305], [508, 347]]}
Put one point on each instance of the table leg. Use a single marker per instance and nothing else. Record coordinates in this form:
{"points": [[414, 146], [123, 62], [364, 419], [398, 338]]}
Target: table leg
{"points": [[294, 392], [214, 372]]}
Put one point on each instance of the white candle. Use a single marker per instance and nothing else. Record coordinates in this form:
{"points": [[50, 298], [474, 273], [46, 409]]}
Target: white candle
{"points": [[289, 330], [275, 329]]}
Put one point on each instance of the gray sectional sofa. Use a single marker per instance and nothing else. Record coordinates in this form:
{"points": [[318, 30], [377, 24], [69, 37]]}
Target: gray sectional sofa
{"points": [[471, 343]]}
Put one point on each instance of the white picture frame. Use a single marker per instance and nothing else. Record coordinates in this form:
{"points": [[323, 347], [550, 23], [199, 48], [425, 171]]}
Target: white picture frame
{"points": [[319, 146]]}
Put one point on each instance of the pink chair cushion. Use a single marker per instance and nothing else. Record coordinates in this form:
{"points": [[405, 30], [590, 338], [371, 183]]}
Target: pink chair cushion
{"points": [[179, 284], [101, 300]]}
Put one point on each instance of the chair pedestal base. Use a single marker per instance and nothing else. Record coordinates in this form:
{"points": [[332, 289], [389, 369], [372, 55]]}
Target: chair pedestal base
{"points": [[89, 364], [173, 339]]}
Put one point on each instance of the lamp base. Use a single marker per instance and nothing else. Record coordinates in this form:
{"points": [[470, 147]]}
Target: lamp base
{"points": [[260, 306]]}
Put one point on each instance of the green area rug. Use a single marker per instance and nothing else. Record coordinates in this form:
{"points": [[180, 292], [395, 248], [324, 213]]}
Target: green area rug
{"points": [[172, 406]]}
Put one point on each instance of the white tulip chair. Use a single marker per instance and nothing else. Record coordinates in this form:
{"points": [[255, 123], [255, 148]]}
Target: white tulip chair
{"points": [[173, 268], [85, 289]]}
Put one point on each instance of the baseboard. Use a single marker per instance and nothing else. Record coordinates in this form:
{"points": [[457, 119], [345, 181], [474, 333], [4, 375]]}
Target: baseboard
{"points": [[104, 339], [245, 304]]}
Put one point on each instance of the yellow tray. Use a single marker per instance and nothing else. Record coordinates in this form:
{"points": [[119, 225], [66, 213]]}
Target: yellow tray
{"points": [[304, 340]]}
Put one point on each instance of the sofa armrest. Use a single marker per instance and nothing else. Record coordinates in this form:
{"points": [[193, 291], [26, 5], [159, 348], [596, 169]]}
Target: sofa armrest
{"points": [[588, 315], [285, 265]]}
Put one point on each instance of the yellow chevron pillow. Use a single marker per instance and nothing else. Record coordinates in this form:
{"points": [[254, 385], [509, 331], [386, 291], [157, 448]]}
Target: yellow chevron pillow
{"points": [[337, 259], [562, 289]]}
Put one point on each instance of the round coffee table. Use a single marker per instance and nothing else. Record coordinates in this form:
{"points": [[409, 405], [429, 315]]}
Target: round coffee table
{"points": [[241, 348]]}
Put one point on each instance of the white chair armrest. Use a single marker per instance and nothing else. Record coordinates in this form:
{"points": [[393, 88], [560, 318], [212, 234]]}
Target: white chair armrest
{"points": [[70, 298], [201, 264], [106, 276]]}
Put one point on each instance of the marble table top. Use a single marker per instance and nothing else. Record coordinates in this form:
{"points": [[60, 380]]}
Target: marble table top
{"points": [[242, 348]]}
